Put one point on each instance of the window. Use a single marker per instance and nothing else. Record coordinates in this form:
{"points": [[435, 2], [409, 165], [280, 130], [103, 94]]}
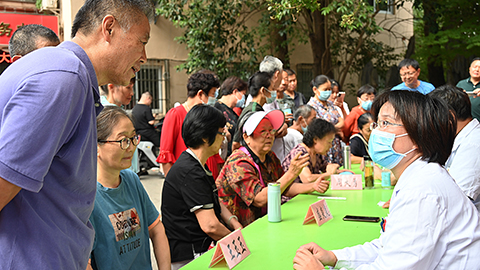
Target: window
{"points": [[385, 6], [304, 77], [151, 78]]}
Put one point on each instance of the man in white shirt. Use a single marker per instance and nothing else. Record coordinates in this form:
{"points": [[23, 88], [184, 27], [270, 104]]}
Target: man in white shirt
{"points": [[464, 162]]}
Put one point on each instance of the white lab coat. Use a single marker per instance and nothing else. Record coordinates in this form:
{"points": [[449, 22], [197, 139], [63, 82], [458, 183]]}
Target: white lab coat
{"points": [[431, 225], [464, 162]]}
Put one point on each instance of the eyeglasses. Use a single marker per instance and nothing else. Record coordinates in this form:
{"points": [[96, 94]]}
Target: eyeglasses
{"points": [[265, 133], [383, 124], [125, 142], [408, 74], [222, 133]]}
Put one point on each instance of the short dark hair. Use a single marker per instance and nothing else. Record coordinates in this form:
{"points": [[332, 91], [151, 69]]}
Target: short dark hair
{"points": [[107, 119], [257, 81], [318, 128], [201, 80], [319, 80], [232, 83], [456, 99], [335, 83], [475, 59], [407, 62], [125, 12], [202, 122], [364, 119], [303, 111], [241, 123], [290, 71], [366, 89], [426, 119], [24, 39]]}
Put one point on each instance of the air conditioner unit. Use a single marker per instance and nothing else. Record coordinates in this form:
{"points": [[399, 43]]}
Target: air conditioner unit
{"points": [[49, 4]]}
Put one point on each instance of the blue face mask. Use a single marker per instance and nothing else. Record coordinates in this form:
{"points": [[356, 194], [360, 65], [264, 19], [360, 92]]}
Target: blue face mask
{"points": [[304, 129], [367, 105], [240, 102], [324, 95], [273, 96], [211, 101], [381, 150]]}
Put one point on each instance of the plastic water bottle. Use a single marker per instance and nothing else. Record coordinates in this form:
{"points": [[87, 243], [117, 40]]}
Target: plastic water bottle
{"points": [[386, 183], [274, 201]]}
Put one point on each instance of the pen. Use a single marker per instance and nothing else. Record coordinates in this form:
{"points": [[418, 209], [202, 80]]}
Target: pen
{"points": [[332, 198]]}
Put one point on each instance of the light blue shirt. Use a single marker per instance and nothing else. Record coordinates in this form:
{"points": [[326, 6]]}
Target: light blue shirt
{"points": [[121, 219], [423, 88]]}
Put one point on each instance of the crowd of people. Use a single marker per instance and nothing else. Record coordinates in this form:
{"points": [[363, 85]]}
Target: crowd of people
{"points": [[77, 198]]}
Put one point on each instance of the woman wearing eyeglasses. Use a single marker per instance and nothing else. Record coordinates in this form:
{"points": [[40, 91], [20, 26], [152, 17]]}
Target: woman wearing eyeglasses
{"points": [[243, 181], [431, 224], [192, 213], [123, 217]]}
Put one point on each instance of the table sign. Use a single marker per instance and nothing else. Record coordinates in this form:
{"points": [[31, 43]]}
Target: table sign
{"points": [[348, 181], [318, 211], [232, 248]]}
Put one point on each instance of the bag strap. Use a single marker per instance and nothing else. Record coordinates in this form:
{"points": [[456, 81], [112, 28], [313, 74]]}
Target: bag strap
{"points": [[256, 165], [361, 138]]}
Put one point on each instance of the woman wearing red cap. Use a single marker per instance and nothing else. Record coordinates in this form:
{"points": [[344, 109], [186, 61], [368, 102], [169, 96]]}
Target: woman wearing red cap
{"points": [[242, 183]]}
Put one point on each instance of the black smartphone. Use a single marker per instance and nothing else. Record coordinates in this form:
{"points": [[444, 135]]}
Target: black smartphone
{"points": [[361, 218]]}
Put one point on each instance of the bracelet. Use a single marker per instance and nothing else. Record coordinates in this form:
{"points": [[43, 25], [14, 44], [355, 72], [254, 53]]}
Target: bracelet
{"points": [[230, 219]]}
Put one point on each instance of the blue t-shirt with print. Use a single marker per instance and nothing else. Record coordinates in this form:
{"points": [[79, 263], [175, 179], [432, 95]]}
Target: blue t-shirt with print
{"points": [[121, 218]]}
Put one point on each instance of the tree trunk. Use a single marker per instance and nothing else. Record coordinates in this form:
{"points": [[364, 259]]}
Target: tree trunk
{"points": [[279, 43], [320, 43], [436, 74]]}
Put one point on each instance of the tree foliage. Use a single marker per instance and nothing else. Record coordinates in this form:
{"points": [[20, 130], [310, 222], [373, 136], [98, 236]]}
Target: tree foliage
{"points": [[446, 31], [216, 34], [219, 37]]}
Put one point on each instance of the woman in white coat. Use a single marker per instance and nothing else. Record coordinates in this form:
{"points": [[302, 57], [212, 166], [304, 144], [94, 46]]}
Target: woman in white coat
{"points": [[432, 224]]}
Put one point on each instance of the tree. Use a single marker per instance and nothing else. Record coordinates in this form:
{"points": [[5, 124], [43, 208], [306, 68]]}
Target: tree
{"points": [[218, 38], [342, 30], [446, 32]]}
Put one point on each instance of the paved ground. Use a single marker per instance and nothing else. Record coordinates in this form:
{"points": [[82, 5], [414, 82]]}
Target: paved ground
{"points": [[153, 183]]}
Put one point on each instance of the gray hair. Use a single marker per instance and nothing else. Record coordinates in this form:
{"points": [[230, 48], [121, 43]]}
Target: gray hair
{"points": [[270, 65], [303, 111], [25, 39], [126, 12]]}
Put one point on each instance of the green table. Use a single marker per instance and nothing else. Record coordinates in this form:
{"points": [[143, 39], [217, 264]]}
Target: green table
{"points": [[273, 245]]}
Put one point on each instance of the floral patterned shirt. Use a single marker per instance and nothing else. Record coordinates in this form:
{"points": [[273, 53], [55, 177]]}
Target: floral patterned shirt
{"points": [[239, 183], [330, 114]]}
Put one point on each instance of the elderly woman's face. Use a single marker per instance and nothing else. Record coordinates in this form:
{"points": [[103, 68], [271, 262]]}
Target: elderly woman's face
{"points": [[321, 146], [110, 154], [261, 140]]}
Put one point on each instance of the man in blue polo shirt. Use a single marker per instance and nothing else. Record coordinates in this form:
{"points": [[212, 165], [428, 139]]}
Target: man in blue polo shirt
{"points": [[409, 70], [49, 101]]}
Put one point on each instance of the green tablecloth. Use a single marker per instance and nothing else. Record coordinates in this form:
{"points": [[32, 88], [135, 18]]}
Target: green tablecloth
{"points": [[273, 245]]}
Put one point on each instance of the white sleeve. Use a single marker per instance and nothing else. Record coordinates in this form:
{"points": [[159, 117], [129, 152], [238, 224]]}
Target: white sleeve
{"points": [[465, 169], [410, 240]]}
